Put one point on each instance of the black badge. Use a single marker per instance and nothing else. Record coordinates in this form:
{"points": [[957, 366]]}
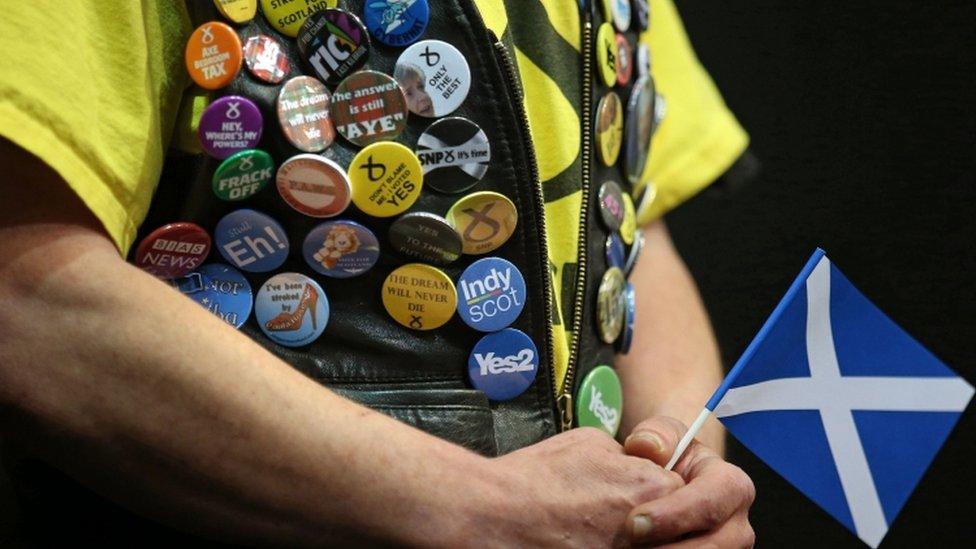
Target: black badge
{"points": [[454, 153], [426, 237], [333, 44]]}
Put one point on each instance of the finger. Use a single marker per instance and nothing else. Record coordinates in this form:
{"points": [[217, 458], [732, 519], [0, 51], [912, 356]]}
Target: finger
{"points": [[734, 534], [716, 492], [655, 439]]}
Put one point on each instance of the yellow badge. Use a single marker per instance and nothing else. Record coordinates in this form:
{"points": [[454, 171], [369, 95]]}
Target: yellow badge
{"points": [[629, 224], [485, 220], [606, 53], [287, 16], [386, 179], [609, 128], [238, 11], [419, 296]]}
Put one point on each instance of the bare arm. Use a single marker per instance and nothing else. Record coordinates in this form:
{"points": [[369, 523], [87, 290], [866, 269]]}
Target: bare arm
{"points": [[673, 366]]}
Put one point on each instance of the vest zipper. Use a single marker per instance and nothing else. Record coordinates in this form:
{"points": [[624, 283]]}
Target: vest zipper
{"points": [[564, 398], [517, 99]]}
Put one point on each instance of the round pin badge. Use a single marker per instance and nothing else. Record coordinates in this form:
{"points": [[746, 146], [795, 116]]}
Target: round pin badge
{"points": [[291, 309], [642, 14], [606, 54], [491, 294], [251, 241], [265, 59], [333, 44], [611, 205], [341, 249], [609, 128], [314, 185], [599, 400], [616, 254], [485, 220], [303, 112], [230, 124], [386, 179], [225, 293], [434, 76], [630, 311], [288, 17], [237, 11], [610, 305], [625, 60], [213, 55], [503, 364], [419, 297], [647, 195], [242, 175], [640, 127], [396, 23], [425, 237], [454, 153], [173, 250], [635, 250], [368, 107], [629, 224], [619, 13]]}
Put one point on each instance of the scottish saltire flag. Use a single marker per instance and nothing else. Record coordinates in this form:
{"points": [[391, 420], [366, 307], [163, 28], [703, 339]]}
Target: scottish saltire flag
{"points": [[840, 401]]}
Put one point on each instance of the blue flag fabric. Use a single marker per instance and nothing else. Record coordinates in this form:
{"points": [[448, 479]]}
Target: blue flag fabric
{"points": [[840, 401]]}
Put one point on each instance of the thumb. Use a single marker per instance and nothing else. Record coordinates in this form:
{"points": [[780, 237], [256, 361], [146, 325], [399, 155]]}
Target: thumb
{"points": [[655, 439]]}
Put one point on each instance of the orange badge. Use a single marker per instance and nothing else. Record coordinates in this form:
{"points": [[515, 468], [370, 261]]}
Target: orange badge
{"points": [[214, 55]]}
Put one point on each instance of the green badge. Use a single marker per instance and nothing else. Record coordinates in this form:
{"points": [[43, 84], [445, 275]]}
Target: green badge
{"points": [[243, 174], [599, 402]]}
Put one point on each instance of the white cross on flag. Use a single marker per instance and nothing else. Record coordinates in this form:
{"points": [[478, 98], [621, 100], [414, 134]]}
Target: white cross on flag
{"points": [[828, 393]]}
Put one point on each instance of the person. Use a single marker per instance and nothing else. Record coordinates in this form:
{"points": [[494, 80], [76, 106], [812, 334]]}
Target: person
{"points": [[144, 397], [411, 79]]}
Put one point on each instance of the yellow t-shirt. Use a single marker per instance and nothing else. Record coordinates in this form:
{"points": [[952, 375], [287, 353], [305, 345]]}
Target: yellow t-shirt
{"points": [[93, 89]]}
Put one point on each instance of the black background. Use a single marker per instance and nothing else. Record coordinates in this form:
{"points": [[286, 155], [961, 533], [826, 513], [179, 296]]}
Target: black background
{"points": [[864, 118]]}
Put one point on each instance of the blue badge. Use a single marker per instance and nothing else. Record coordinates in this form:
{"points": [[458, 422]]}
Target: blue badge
{"points": [[491, 294], [291, 309], [630, 302], [341, 249], [503, 364], [616, 254], [251, 241], [223, 291], [396, 22]]}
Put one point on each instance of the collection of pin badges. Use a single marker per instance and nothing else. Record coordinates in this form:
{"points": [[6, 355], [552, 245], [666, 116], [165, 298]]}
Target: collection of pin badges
{"points": [[368, 109]]}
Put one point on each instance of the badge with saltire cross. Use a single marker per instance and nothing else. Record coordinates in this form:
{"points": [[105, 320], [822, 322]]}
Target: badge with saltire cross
{"points": [[827, 393]]}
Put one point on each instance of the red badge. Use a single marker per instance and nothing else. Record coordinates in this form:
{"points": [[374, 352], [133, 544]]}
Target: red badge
{"points": [[173, 250]]}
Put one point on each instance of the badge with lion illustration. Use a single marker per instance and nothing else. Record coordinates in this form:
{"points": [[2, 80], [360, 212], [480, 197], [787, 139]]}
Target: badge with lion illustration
{"points": [[341, 249]]}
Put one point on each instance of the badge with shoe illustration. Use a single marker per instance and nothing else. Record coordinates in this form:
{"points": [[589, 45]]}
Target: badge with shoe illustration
{"points": [[291, 309]]}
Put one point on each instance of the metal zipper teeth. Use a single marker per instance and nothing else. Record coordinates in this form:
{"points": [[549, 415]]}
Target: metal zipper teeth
{"points": [[565, 397], [539, 199]]}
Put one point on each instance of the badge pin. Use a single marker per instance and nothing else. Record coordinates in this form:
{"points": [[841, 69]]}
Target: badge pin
{"points": [[606, 54], [435, 78], [213, 55], [396, 23], [640, 127], [610, 305], [251, 241], [485, 220], [265, 59], [629, 224], [599, 400], [288, 17], [230, 124], [173, 250], [630, 302], [386, 179], [419, 297], [609, 128], [503, 364], [635, 250], [303, 112], [369, 106], [616, 254], [611, 205], [291, 309], [237, 11], [491, 294], [625, 60], [341, 249], [333, 44], [224, 292], [314, 185], [454, 153], [425, 237], [619, 12], [242, 175]]}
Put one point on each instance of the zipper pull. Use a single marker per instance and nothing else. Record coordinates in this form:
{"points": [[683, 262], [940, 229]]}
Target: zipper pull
{"points": [[565, 405]]}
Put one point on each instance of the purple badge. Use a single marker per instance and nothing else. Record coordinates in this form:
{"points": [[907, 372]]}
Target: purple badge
{"points": [[230, 124], [341, 249]]}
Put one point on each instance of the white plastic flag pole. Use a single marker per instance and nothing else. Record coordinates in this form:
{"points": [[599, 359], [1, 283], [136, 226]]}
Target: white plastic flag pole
{"points": [[689, 436]]}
